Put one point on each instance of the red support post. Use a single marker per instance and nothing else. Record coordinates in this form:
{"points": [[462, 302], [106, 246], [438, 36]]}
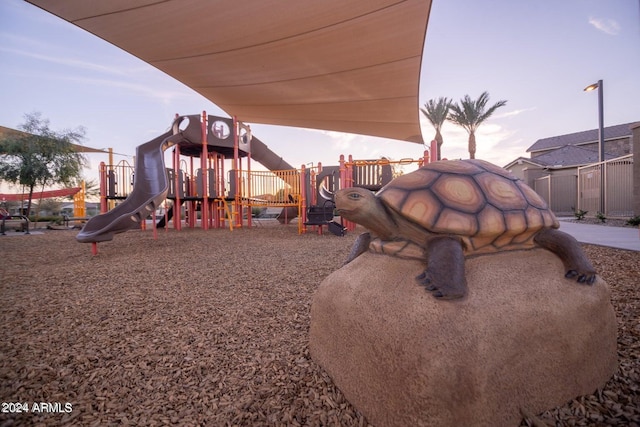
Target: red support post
{"points": [[239, 194], [350, 170], [191, 204], [236, 171], [248, 190], [303, 197], [204, 207], [346, 181], [211, 202], [343, 173], [177, 220], [218, 216], [314, 184], [434, 150]]}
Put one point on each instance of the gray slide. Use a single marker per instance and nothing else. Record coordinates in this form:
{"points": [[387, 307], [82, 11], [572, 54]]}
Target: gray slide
{"points": [[149, 190], [270, 160]]}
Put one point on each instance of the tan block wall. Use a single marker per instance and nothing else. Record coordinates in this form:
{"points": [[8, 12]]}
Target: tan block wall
{"points": [[618, 147]]}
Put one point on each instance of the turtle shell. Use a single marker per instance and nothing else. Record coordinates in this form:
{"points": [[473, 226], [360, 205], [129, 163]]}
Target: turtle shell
{"points": [[486, 206]]}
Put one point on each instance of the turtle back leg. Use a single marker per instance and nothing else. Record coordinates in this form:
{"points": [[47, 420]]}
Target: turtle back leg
{"points": [[568, 249], [360, 246], [444, 275]]}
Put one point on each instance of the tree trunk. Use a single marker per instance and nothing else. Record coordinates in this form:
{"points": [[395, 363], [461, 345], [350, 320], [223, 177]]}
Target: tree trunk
{"points": [[29, 202], [439, 141], [472, 145]]}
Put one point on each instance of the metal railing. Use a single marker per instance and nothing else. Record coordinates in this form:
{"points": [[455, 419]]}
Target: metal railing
{"points": [[264, 188], [118, 179]]}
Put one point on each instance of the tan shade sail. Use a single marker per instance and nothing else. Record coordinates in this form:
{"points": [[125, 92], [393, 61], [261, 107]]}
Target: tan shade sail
{"points": [[6, 132], [350, 66]]}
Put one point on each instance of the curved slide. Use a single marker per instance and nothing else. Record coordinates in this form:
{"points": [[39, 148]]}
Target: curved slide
{"points": [[270, 160], [149, 190]]}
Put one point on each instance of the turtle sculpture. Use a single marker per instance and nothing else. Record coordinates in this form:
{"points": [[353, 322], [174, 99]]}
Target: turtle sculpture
{"points": [[447, 210]]}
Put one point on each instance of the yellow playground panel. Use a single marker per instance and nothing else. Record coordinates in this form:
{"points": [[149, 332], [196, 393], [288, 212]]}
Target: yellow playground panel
{"points": [[79, 206]]}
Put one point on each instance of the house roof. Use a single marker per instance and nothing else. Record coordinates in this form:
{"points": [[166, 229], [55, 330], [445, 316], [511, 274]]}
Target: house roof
{"points": [[584, 137], [521, 160], [569, 156], [349, 66]]}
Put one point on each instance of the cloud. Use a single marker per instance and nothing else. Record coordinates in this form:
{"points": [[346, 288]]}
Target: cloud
{"points": [[340, 141], [494, 143], [513, 113], [607, 26], [69, 62], [148, 90], [144, 81]]}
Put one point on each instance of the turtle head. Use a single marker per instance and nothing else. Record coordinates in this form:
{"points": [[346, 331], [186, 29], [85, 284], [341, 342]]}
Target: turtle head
{"points": [[363, 207]]}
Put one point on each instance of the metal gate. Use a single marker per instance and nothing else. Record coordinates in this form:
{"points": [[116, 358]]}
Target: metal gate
{"points": [[559, 191], [615, 178]]}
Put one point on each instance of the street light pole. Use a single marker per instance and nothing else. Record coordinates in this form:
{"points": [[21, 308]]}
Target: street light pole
{"points": [[601, 159]]}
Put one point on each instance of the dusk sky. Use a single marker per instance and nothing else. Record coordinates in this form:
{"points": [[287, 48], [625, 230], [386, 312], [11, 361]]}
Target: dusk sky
{"points": [[537, 55]]}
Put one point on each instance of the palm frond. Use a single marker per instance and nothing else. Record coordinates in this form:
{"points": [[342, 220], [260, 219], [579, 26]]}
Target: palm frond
{"points": [[470, 113], [437, 111]]}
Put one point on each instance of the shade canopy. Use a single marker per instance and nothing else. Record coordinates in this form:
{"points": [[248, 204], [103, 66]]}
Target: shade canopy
{"points": [[349, 66], [6, 132]]}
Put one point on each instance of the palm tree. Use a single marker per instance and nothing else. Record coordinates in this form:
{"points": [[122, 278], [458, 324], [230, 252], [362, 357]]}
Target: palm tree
{"points": [[436, 112], [470, 114]]}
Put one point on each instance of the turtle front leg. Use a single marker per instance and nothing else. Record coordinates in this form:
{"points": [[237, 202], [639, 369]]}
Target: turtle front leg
{"points": [[568, 249], [360, 246], [444, 275]]}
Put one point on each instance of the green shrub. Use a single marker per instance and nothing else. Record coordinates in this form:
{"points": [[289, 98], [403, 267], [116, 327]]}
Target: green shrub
{"points": [[580, 214], [635, 221], [601, 217]]}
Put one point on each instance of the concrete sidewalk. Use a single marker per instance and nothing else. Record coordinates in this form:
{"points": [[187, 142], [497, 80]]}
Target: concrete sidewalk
{"points": [[615, 237]]}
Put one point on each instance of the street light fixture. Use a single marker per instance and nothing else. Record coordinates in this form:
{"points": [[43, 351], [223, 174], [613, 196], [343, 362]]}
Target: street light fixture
{"points": [[598, 85], [591, 87]]}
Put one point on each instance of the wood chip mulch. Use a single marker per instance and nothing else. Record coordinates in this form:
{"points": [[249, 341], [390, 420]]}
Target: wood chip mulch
{"points": [[211, 328]]}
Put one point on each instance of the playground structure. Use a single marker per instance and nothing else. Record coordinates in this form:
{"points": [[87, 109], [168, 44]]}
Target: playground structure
{"points": [[197, 190]]}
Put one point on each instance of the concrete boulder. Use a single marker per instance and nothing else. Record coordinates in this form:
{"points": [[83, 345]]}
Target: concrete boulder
{"points": [[523, 339]]}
